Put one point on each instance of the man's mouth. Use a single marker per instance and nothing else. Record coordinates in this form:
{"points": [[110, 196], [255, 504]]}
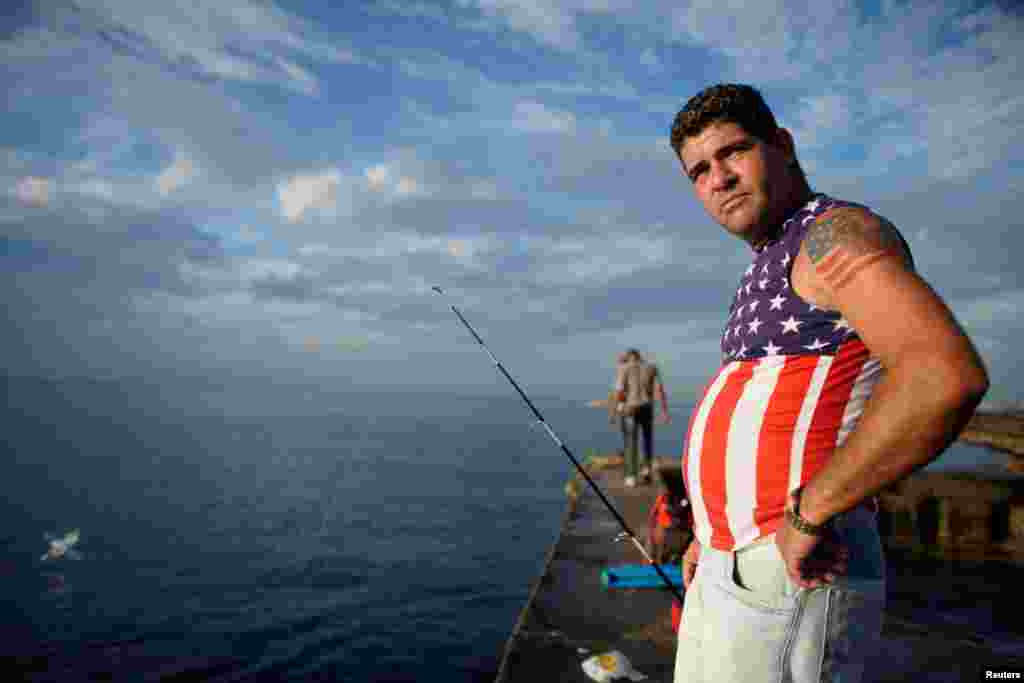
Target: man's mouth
{"points": [[732, 202]]}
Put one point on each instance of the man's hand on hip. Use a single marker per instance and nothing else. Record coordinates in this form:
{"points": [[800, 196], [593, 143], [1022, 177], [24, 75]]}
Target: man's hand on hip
{"points": [[811, 561]]}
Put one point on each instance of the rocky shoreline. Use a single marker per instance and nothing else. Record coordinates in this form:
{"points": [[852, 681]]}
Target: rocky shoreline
{"points": [[1001, 431]]}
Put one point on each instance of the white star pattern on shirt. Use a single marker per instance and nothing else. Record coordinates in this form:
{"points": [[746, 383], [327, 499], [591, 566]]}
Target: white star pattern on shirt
{"points": [[791, 325], [816, 345], [768, 279]]}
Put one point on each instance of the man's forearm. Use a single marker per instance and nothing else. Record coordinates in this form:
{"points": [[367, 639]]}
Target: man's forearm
{"points": [[914, 413]]}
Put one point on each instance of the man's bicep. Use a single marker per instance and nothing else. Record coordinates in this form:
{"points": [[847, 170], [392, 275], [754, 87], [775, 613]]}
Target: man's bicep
{"points": [[897, 314]]}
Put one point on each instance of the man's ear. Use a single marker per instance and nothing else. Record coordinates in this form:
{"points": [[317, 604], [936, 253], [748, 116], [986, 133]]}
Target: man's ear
{"points": [[784, 141]]}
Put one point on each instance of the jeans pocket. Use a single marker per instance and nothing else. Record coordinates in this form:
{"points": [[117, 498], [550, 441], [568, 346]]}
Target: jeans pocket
{"points": [[759, 579]]}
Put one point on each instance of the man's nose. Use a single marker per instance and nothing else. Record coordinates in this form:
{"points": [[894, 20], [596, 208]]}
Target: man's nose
{"points": [[722, 176]]}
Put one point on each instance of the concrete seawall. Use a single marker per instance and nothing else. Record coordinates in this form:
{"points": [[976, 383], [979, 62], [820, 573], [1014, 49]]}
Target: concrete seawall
{"points": [[955, 550]]}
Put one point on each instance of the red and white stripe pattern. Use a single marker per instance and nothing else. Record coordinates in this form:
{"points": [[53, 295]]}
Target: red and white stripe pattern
{"points": [[762, 428]]}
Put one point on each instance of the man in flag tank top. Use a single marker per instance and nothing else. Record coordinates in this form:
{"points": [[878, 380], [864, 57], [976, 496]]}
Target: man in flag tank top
{"points": [[842, 371]]}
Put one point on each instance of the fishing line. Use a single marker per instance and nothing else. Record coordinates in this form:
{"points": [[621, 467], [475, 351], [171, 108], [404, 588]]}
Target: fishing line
{"points": [[627, 532]]}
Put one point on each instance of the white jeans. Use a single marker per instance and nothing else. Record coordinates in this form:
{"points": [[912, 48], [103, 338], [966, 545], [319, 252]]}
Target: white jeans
{"points": [[745, 621]]}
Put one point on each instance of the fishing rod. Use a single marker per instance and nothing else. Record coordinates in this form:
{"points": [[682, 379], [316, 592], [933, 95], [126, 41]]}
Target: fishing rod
{"points": [[628, 532]]}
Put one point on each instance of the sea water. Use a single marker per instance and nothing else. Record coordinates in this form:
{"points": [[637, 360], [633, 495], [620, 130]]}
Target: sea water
{"points": [[268, 532]]}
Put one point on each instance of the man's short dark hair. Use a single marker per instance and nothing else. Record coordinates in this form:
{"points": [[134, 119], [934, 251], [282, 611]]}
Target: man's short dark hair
{"points": [[724, 103]]}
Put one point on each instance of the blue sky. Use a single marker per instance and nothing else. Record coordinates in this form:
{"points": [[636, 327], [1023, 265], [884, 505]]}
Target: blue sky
{"points": [[238, 189]]}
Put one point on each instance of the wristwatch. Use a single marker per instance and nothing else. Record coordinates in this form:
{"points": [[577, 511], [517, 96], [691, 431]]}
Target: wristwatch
{"points": [[801, 524]]}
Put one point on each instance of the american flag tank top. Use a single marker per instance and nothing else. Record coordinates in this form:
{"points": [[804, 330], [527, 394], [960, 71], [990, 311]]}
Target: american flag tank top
{"points": [[793, 385]]}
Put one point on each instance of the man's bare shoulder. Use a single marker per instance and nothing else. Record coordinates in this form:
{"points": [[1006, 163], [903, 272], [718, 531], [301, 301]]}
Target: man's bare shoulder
{"points": [[856, 230]]}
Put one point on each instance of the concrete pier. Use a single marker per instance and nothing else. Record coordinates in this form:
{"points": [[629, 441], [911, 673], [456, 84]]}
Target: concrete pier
{"points": [[956, 546]]}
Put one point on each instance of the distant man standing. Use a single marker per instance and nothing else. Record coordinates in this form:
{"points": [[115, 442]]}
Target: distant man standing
{"points": [[615, 415], [636, 386], [842, 371]]}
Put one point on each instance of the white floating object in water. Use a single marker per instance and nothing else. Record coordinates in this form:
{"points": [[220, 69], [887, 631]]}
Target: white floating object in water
{"points": [[59, 547], [611, 666]]}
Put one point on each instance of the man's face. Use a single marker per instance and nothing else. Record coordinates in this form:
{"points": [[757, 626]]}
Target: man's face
{"points": [[742, 181]]}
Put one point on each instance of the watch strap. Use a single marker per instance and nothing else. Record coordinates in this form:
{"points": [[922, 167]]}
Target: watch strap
{"points": [[801, 524]]}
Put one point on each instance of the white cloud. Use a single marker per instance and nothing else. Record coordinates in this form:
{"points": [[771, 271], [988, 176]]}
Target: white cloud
{"points": [[469, 251], [595, 259], [239, 40], [821, 119], [392, 247], [377, 176], [303, 79], [174, 176], [233, 308], [534, 117], [369, 287], [407, 186], [996, 310], [602, 87], [97, 187], [649, 58], [305, 192], [262, 269], [319, 249], [550, 23], [247, 235], [33, 190], [388, 178]]}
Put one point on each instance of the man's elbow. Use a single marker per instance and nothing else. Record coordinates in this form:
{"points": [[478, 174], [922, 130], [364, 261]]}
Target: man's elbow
{"points": [[975, 384], [966, 382], [952, 380]]}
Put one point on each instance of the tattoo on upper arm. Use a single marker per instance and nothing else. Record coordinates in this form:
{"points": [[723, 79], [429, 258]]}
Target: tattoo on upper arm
{"points": [[856, 230], [844, 242]]}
